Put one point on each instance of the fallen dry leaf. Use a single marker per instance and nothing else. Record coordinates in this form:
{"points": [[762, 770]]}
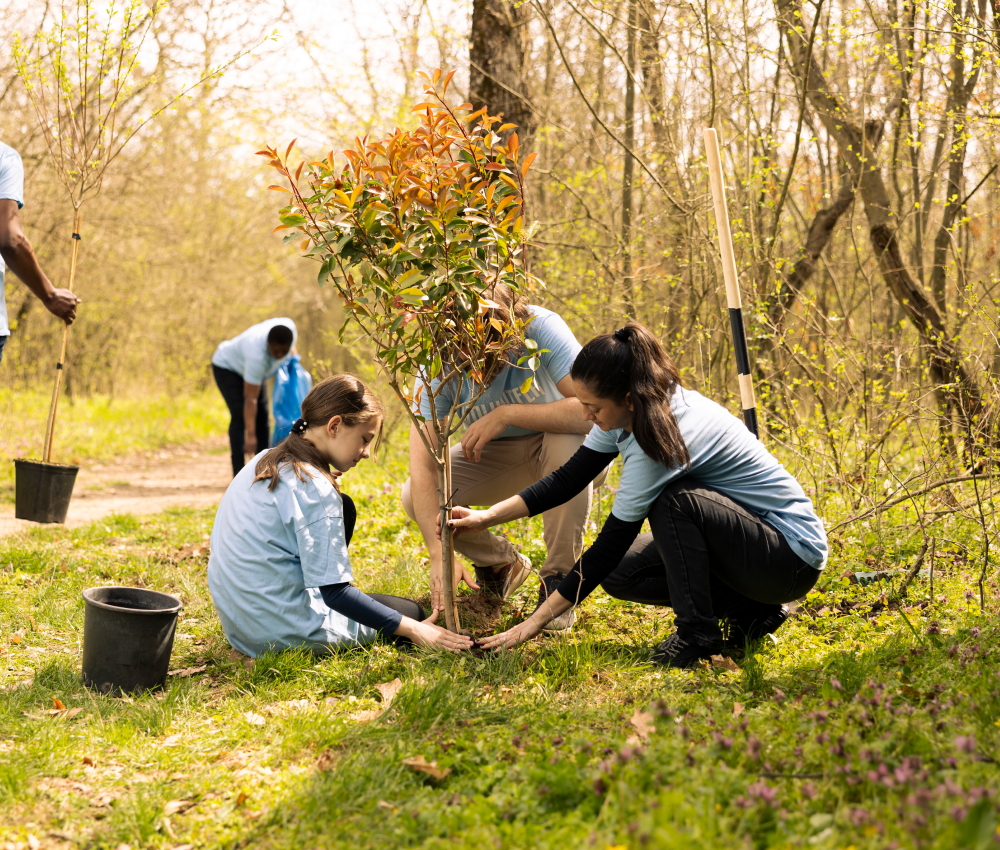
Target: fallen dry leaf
{"points": [[103, 799], [242, 798], [33, 842], [175, 807], [170, 741], [287, 706], [236, 655], [368, 714], [188, 671], [254, 719], [382, 804], [57, 704], [720, 662], [388, 690], [421, 765], [737, 709], [642, 722], [15, 639], [90, 761]]}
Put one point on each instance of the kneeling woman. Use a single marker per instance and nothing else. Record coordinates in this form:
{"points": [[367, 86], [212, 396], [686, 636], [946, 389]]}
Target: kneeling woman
{"points": [[733, 534], [279, 571]]}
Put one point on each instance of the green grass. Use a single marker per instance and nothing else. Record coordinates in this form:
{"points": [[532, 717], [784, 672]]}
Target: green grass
{"points": [[852, 730], [99, 428]]}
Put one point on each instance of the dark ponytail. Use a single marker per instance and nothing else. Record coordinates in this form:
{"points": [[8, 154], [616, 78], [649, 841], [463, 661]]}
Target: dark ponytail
{"points": [[338, 395], [632, 361]]}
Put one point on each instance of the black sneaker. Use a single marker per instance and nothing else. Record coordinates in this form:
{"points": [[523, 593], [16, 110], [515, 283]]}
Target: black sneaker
{"points": [[547, 586], [681, 653], [504, 581], [752, 627]]}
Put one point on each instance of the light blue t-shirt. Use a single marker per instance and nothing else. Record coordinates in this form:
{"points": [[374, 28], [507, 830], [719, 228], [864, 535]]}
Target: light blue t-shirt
{"points": [[270, 553], [550, 332], [247, 354], [11, 189], [726, 456]]}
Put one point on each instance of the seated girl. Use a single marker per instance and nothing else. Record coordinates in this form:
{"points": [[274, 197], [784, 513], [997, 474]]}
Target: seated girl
{"points": [[279, 572], [733, 533]]}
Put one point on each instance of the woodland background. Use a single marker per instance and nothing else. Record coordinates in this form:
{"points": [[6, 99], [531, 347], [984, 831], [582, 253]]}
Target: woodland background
{"points": [[861, 155]]}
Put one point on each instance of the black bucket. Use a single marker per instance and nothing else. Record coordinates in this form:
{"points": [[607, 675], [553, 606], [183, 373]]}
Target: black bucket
{"points": [[42, 490], [128, 635]]}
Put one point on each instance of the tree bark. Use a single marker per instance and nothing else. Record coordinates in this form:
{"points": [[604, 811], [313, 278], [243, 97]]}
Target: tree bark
{"points": [[652, 75], [498, 58], [858, 145], [628, 170]]}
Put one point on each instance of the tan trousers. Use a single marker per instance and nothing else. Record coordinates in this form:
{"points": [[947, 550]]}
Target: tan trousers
{"points": [[505, 468]]}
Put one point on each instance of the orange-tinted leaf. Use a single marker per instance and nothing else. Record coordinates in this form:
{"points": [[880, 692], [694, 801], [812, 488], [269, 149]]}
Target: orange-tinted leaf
{"points": [[57, 704], [278, 189], [447, 79], [530, 158], [503, 127], [291, 145], [437, 75], [422, 106], [298, 171]]}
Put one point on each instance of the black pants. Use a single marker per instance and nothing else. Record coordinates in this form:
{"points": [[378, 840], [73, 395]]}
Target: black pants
{"points": [[231, 386], [708, 557]]}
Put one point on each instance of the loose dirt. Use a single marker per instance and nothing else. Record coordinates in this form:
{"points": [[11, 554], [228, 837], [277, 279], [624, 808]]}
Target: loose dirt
{"points": [[193, 476]]}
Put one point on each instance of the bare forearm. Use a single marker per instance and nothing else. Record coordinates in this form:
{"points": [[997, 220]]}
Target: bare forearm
{"points": [[558, 417], [424, 494], [250, 416], [506, 511], [20, 258]]}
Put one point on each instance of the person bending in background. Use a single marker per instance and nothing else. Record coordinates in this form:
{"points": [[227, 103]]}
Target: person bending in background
{"points": [[16, 251], [511, 440], [241, 365], [733, 534], [279, 572]]}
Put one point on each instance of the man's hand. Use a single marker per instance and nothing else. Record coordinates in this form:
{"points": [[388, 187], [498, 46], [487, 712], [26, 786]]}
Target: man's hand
{"points": [[480, 432], [437, 584], [62, 303]]}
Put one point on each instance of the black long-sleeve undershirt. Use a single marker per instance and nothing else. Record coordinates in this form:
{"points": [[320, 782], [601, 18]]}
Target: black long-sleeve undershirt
{"points": [[346, 599], [616, 535]]}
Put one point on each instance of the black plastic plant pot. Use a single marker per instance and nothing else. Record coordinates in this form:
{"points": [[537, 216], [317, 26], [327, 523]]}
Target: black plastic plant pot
{"points": [[128, 635], [42, 490]]}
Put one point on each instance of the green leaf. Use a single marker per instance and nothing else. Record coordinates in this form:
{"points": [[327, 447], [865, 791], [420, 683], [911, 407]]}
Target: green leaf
{"points": [[530, 344], [325, 270], [293, 219]]}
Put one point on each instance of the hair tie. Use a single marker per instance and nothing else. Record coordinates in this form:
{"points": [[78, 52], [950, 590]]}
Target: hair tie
{"points": [[300, 426], [622, 335]]}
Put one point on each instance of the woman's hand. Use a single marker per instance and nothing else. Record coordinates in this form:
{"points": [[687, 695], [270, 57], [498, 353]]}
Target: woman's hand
{"points": [[513, 636], [425, 633], [466, 519]]}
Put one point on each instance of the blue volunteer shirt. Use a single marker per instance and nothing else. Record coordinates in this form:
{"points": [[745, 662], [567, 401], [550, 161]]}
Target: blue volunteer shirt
{"points": [[247, 354], [270, 553], [726, 456], [11, 189], [550, 332]]}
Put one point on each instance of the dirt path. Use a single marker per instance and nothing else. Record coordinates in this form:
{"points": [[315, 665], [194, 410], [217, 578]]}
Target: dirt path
{"points": [[192, 476]]}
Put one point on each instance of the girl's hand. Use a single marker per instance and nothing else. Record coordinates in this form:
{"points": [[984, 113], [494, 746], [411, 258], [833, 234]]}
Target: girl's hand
{"points": [[425, 633], [465, 519], [513, 636]]}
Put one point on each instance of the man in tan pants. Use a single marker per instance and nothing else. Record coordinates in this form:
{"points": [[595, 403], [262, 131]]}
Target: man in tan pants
{"points": [[513, 439]]}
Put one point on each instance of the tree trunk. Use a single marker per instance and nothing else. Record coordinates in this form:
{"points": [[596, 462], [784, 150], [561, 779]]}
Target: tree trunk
{"points": [[652, 76], [498, 57], [858, 145], [451, 620], [628, 171]]}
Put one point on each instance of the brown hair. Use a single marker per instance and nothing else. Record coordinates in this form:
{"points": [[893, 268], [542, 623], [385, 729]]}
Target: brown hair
{"points": [[338, 395], [512, 306], [632, 361]]}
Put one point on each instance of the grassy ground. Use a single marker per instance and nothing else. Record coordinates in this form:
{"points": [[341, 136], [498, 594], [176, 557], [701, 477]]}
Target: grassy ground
{"points": [[101, 428], [866, 725]]}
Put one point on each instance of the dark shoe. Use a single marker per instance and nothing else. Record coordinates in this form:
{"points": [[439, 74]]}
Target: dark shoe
{"points": [[752, 627], [681, 653], [506, 580], [546, 587]]}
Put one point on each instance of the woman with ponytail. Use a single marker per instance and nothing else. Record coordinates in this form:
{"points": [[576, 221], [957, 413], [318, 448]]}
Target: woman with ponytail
{"points": [[279, 572], [733, 535]]}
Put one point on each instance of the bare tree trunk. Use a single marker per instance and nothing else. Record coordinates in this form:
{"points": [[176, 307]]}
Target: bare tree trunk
{"points": [[498, 57], [858, 145], [628, 171], [652, 75]]}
